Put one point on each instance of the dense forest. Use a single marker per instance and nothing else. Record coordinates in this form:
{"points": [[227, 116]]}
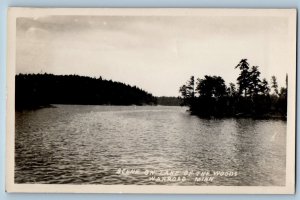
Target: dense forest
{"points": [[251, 97], [40, 90], [169, 101]]}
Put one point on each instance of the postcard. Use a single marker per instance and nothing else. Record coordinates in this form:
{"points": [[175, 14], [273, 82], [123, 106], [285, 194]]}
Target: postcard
{"points": [[151, 100]]}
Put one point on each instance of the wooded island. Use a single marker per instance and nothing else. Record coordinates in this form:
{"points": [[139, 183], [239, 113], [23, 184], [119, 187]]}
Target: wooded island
{"points": [[252, 97]]}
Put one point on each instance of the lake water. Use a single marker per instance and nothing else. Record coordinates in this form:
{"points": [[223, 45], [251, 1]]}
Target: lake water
{"points": [[76, 144]]}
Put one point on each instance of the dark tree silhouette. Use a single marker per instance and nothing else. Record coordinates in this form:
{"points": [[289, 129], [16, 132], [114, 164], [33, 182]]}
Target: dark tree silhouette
{"points": [[264, 88], [252, 99], [38, 90], [275, 85], [211, 86], [169, 101], [231, 91], [254, 81], [211, 92], [243, 79], [188, 91]]}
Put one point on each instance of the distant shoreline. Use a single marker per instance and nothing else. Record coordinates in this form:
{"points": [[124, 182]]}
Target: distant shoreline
{"points": [[38, 90], [241, 116]]}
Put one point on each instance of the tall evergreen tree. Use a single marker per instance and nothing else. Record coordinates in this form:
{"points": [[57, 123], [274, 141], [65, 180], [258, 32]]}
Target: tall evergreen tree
{"points": [[188, 91], [264, 88], [254, 81], [275, 85], [243, 79]]}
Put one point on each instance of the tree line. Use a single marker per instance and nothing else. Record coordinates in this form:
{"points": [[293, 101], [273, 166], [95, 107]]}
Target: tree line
{"points": [[169, 101], [251, 97], [40, 90]]}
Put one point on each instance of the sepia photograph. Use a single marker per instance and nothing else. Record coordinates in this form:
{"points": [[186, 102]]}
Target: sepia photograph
{"points": [[151, 100]]}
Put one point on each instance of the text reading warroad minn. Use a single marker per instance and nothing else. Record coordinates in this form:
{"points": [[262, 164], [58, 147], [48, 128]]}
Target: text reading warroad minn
{"points": [[176, 175]]}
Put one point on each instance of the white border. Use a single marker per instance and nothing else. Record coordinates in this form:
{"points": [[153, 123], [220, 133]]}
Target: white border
{"points": [[13, 13]]}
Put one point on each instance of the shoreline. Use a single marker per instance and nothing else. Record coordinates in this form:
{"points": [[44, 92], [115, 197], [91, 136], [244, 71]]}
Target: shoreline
{"points": [[236, 116]]}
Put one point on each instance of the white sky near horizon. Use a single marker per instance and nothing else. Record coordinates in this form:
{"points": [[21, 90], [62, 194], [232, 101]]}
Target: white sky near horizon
{"points": [[155, 53]]}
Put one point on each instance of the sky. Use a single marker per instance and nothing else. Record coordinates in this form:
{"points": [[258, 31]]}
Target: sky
{"points": [[155, 53]]}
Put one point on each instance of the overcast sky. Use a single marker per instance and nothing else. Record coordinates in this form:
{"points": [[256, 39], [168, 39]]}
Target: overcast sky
{"points": [[157, 54]]}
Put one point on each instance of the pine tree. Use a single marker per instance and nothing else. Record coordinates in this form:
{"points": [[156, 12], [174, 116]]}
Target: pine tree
{"points": [[243, 79], [275, 85]]}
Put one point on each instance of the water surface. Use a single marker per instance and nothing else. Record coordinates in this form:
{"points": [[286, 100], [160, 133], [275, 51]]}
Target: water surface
{"points": [[79, 144]]}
